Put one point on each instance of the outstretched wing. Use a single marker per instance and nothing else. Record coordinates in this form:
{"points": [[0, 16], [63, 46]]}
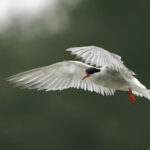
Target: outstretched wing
{"points": [[59, 76], [101, 57]]}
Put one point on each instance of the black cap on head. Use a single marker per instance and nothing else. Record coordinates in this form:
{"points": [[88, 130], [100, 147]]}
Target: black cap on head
{"points": [[91, 70]]}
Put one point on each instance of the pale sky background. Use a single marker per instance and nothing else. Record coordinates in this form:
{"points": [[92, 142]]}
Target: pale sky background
{"points": [[23, 13]]}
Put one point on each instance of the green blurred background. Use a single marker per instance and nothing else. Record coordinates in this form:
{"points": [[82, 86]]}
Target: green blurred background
{"points": [[75, 119]]}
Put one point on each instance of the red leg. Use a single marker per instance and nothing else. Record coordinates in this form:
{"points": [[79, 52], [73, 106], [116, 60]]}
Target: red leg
{"points": [[130, 95]]}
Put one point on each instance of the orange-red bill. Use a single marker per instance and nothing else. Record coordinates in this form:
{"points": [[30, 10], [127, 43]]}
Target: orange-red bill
{"points": [[86, 76]]}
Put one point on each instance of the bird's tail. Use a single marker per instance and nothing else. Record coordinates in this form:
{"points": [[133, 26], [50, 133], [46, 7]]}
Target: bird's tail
{"points": [[143, 93]]}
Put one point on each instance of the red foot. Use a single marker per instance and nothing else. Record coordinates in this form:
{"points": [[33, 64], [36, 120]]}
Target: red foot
{"points": [[130, 95]]}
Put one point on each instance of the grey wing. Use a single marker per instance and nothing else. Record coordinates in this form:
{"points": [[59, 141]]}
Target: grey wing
{"points": [[59, 76], [101, 57]]}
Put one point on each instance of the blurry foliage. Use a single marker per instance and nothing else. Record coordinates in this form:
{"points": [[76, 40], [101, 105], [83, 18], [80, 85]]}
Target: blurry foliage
{"points": [[75, 119]]}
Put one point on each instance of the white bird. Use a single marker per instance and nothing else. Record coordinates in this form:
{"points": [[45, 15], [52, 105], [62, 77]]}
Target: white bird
{"points": [[110, 74]]}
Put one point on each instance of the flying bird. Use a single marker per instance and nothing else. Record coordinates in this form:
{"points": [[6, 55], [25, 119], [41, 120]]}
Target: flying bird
{"points": [[102, 72]]}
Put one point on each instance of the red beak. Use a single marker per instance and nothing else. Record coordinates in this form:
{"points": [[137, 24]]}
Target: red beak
{"points": [[86, 76]]}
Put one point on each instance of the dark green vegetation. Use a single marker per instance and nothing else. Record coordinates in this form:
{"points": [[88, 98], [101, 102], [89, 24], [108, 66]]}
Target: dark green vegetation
{"points": [[75, 119]]}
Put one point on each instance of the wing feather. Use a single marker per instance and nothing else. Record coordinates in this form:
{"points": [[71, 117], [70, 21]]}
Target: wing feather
{"points": [[59, 76], [100, 57]]}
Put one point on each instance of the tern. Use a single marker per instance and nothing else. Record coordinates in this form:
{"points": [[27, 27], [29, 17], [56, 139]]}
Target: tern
{"points": [[100, 71]]}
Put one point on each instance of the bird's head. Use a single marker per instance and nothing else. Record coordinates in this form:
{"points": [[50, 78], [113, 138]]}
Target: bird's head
{"points": [[90, 71]]}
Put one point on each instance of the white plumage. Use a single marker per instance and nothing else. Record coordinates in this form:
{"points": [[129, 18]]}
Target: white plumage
{"points": [[112, 74]]}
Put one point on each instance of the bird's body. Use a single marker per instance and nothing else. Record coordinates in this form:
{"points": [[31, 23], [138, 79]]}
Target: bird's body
{"points": [[114, 80], [110, 74]]}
